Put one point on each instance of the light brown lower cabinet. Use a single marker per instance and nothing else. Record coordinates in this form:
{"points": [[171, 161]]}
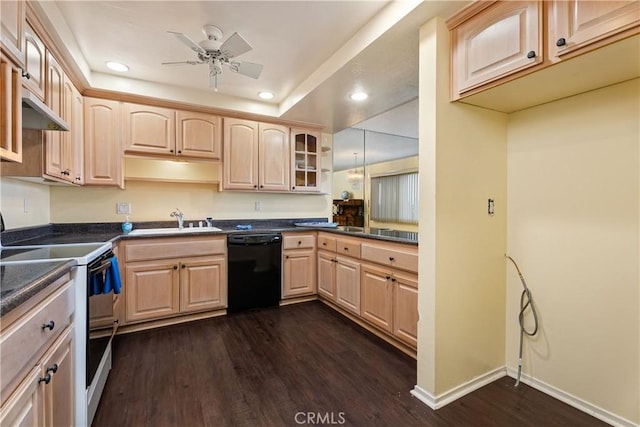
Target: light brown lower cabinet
{"points": [[45, 397], [298, 264], [327, 275], [390, 301], [348, 284], [172, 276]]}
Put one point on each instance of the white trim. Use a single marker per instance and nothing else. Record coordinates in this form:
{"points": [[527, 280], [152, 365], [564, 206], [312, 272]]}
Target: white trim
{"points": [[437, 402], [576, 402]]}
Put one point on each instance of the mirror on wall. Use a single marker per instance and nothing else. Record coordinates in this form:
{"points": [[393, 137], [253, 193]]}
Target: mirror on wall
{"points": [[378, 158]]}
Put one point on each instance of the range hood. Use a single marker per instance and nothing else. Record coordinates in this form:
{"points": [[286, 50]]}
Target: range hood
{"points": [[36, 115]]}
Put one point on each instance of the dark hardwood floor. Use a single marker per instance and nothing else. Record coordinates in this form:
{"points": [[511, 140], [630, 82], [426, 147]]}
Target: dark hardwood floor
{"points": [[301, 364]]}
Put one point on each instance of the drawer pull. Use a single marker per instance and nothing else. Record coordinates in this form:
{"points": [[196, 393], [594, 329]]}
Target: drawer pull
{"points": [[287, 256], [49, 325], [299, 242], [324, 243], [346, 249], [46, 379], [53, 369], [391, 259]]}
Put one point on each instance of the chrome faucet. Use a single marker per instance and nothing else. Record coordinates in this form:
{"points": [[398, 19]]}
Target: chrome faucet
{"points": [[179, 216]]}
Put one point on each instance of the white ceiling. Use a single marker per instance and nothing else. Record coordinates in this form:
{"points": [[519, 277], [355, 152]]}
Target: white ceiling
{"points": [[314, 53]]}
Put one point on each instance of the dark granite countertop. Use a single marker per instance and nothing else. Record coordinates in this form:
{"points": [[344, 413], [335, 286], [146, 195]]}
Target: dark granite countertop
{"points": [[19, 282]]}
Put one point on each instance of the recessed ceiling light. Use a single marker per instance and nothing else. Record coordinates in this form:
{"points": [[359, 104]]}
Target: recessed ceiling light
{"points": [[116, 66], [266, 95], [358, 96]]}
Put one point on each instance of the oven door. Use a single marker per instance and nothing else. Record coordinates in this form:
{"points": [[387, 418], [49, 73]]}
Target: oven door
{"points": [[100, 317]]}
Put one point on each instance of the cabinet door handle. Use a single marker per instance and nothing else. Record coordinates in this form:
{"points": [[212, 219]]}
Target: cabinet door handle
{"points": [[531, 54], [299, 242], [26, 75], [393, 279], [346, 249], [175, 267], [184, 266], [286, 256], [49, 325], [171, 150], [388, 277], [261, 186], [324, 243], [561, 42], [46, 379], [293, 188], [53, 369], [179, 151], [255, 186]]}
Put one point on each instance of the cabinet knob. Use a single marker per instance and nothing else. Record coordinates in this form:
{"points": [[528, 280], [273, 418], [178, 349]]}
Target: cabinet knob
{"points": [[26, 75], [299, 242], [393, 279], [46, 379], [171, 150], [53, 369], [324, 243], [286, 256], [255, 186], [561, 42], [391, 259], [184, 266], [346, 249], [179, 151], [531, 54], [293, 188], [49, 325], [261, 186], [175, 267], [388, 277]]}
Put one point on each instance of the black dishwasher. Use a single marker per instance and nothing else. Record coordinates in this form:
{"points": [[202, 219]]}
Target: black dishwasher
{"points": [[254, 271]]}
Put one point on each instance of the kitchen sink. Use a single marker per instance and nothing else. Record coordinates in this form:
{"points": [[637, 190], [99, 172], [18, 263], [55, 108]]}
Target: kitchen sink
{"points": [[186, 230]]}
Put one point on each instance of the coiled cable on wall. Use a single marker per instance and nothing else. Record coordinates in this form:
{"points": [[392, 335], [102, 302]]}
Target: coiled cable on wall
{"points": [[525, 302]]}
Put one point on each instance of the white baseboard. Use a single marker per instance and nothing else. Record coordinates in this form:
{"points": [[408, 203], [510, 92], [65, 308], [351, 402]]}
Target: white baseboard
{"points": [[576, 402], [436, 402]]}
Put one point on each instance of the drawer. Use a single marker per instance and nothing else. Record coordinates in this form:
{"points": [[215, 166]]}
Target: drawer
{"points": [[151, 249], [350, 247], [25, 340], [299, 241], [403, 257], [326, 242]]}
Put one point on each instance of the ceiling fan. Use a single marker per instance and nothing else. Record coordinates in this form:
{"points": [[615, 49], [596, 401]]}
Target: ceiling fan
{"points": [[215, 54]]}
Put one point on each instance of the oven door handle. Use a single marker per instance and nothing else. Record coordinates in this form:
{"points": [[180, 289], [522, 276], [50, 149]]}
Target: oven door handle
{"points": [[99, 269]]}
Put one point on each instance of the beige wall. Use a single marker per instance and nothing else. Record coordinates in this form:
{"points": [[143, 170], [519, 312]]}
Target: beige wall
{"points": [[13, 193], [341, 182], [154, 201], [573, 173], [462, 269]]}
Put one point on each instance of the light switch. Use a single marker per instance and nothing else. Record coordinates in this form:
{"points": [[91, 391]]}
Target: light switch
{"points": [[123, 208]]}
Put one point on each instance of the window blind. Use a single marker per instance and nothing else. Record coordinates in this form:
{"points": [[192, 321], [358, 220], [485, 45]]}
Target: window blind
{"points": [[394, 198]]}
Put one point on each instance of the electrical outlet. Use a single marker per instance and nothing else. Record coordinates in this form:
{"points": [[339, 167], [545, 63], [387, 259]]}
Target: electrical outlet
{"points": [[258, 206], [123, 208], [26, 204]]}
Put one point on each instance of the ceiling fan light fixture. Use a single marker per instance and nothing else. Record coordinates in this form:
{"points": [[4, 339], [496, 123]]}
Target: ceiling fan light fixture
{"points": [[266, 95], [117, 66], [358, 96]]}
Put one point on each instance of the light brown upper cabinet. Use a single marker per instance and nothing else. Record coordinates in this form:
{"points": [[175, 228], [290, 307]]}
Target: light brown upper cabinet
{"points": [[305, 160], [148, 130], [198, 135], [256, 156], [102, 150], [165, 132], [34, 74], [581, 25], [504, 38], [10, 110], [496, 42], [12, 21], [57, 162]]}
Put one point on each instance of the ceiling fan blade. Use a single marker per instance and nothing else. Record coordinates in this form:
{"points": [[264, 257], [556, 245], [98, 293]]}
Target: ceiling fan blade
{"points": [[183, 63], [235, 45], [187, 41], [248, 69]]}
